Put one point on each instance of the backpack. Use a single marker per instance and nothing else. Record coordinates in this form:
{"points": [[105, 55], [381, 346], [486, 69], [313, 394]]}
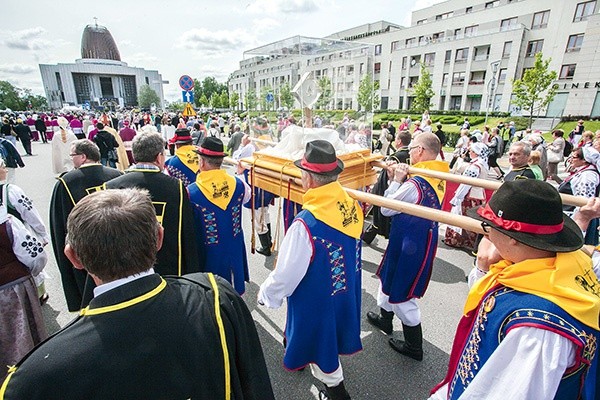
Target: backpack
{"points": [[3, 152], [568, 148]]}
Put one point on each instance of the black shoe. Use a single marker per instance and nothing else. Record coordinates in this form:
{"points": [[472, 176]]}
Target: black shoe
{"points": [[265, 244], [334, 393], [44, 299], [382, 321], [412, 345]]}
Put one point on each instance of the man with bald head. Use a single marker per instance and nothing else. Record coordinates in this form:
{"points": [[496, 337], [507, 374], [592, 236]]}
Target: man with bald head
{"points": [[407, 263]]}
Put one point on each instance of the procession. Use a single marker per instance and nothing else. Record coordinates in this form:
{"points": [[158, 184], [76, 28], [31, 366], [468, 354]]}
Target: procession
{"points": [[198, 196]]}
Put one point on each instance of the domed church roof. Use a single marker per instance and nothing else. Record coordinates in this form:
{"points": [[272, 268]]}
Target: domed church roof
{"points": [[97, 42]]}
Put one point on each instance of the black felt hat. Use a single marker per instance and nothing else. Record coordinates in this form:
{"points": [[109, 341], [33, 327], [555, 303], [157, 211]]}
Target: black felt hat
{"points": [[211, 147], [182, 135], [530, 211], [319, 158]]}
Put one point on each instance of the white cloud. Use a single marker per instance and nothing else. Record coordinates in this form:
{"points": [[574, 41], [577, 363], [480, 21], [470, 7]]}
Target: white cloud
{"points": [[27, 39], [273, 7], [264, 25], [140, 58], [215, 43], [18, 69]]}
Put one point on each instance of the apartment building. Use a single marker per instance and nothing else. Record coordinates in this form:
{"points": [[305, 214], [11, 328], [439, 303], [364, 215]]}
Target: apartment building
{"points": [[473, 50]]}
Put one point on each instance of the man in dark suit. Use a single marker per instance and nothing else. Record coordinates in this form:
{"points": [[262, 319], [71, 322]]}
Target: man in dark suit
{"points": [[142, 336], [178, 254], [87, 177]]}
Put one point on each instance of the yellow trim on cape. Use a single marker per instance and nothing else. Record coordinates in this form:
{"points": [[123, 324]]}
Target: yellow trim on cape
{"points": [[101, 310], [331, 205], [188, 157], [439, 185], [68, 191], [566, 280], [11, 370], [213, 283], [217, 186], [180, 228]]}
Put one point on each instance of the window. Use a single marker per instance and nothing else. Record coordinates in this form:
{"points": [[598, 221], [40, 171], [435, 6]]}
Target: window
{"points": [[340, 71], [481, 53], [471, 30], [457, 32], [458, 78], [492, 4], [455, 102], [402, 81], [377, 49], [448, 56], [567, 71], [533, 47], [445, 79], [506, 49], [468, 10], [502, 75], [421, 21], [574, 43], [437, 36], [540, 19], [506, 24], [350, 70], [477, 78], [415, 60], [429, 58], [584, 10], [394, 45], [444, 16], [377, 68], [410, 42], [462, 55], [404, 60], [361, 69]]}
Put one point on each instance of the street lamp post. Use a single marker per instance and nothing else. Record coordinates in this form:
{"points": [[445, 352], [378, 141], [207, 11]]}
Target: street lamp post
{"points": [[491, 88]]}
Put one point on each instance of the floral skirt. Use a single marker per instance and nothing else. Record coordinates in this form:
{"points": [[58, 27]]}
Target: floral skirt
{"points": [[21, 322], [462, 238]]}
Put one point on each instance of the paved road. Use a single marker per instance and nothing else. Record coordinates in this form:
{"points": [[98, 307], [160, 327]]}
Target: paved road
{"points": [[375, 373]]}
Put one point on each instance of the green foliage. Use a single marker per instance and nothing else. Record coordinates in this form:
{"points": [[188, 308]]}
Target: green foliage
{"points": [[326, 93], [250, 100], [535, 90], [147, 96], [234, 100], [202, 101], [264, 91], [449, 119], [175, 106], [368, 98], [19, 99], [207, 88], [422, 91], [286, 97]]}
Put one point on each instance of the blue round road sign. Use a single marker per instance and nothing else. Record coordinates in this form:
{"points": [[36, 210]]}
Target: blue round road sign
{"points": [[186, 82], [270, 97]]}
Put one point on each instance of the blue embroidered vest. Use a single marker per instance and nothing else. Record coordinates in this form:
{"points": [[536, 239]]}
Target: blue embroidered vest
{"points": [[323, 314], [179, 170], [262, 198], [503, 309], [408, 261], [219, 235]]}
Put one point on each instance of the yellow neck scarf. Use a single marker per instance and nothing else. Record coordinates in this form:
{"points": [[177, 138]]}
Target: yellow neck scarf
{"points": [[331, 205], [566, 280], [188, 157], [438, 185], [217, 185]]}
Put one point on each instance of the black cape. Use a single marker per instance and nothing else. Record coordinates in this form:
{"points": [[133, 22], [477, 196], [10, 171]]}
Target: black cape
{"points": [[165, 343], [68, 191]]}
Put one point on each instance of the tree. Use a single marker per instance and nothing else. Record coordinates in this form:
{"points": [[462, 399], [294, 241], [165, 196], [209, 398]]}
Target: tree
{"points": [[250, 100], [147, 96], [422, 91], [215, 100], [535, 90], [264, 91], [34, 101], [368, 96], [10, 97], [326, 93], [285, 96], [234, 100], [175, 106], [208, 87], [203, 102], [224, 99]]}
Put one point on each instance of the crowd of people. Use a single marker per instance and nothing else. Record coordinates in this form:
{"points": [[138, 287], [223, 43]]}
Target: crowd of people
{"points": [[152, 255]]}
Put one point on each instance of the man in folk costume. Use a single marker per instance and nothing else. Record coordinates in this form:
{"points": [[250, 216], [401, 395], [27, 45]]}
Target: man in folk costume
{"points": [[143, 336], [217, 199], [87, 177], [530, 323], [178, 255], [319, 272], [184, 165], [407, 264]]}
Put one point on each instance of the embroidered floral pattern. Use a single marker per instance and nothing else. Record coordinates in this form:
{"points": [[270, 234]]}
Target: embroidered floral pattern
{"points": [[336, 265], [210, 225], [32, 246], [25, 202], [236, 216]]}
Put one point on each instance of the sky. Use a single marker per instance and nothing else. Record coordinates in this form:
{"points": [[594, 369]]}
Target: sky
{"points": [[199, 38]]}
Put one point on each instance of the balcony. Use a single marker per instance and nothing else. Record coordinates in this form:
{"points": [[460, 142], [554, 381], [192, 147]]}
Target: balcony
{"points": [[476, 82], [481, 57]]}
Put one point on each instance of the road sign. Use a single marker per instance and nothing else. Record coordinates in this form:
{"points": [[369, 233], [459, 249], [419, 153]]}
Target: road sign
{"points": [[188, 97], [186, 82], [188, 111], [270, 97]]}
